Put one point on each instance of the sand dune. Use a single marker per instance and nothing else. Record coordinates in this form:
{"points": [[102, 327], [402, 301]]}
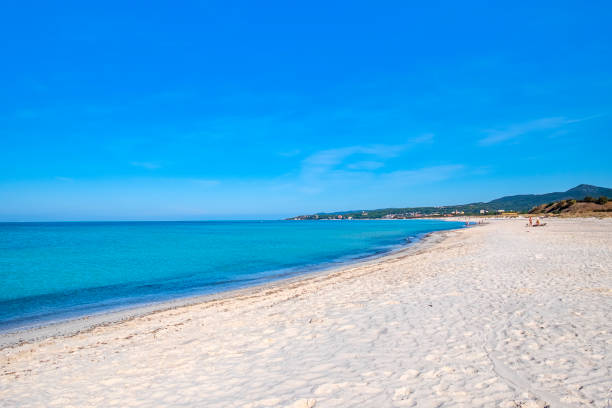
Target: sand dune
{"points": [[495, 315]]}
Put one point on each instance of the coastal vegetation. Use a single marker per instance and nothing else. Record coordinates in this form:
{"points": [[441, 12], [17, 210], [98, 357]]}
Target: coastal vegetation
{"points": [[587, 206], [524, 203]]}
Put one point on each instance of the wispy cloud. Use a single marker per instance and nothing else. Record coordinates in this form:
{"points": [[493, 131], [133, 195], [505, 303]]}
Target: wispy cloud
{"points": [[369, 157], [363, 167], [495, 136], [146, 165], [422, 175], [378, 182], [324, 161]]}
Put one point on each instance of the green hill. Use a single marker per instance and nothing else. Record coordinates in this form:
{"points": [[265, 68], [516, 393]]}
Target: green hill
{"points": [[527, 201], [518, 203]]}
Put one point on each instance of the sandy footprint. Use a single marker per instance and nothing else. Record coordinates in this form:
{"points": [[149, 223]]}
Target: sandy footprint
{"points": [[304, 403]]}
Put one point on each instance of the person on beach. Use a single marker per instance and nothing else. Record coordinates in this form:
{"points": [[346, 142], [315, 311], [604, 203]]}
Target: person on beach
{"points": [[530, 222]]}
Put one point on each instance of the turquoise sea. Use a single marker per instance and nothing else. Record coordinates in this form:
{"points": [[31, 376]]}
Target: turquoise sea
{"points": [[54, 271]]}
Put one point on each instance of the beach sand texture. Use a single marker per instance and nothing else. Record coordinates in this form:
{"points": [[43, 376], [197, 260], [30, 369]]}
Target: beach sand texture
{"points": [[495, 315]]}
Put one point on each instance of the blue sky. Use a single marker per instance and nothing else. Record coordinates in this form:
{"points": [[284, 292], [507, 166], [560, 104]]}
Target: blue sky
{"points": [[204, 110]]}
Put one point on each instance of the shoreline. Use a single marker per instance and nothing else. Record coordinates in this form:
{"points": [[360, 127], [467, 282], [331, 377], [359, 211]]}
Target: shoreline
{"points": [[500, 315], [72, 326]]}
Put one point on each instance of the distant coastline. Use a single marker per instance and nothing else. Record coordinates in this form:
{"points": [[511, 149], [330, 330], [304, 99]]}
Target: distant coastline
{"points": [[519, 204]]}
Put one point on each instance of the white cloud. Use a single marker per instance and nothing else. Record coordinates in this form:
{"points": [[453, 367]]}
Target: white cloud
{"points": [[422, 175], [361, 168], [370, 157], [324, 161], [495, 136]]}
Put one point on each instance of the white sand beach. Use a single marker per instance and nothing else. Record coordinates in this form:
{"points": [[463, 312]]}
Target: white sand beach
{"points": [[497, 315]]}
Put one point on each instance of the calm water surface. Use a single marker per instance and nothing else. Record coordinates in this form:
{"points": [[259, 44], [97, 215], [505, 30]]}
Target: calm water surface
{"points": [[53, 271]]}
